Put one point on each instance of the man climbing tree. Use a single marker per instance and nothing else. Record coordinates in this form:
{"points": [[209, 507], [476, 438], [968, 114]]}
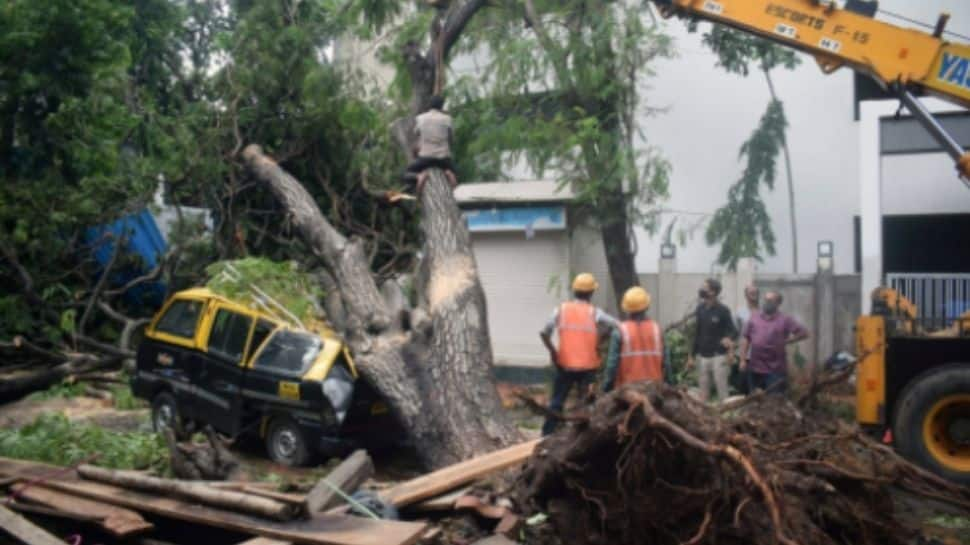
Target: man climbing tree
{"points": [[434, 131]]}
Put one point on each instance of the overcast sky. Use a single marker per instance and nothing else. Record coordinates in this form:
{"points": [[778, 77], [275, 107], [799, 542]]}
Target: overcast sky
{"points": [[710, 113]]}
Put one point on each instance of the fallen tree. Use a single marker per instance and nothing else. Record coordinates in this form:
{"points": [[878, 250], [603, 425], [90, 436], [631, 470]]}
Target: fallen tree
{"points": [[649, 464], [432, 361]]}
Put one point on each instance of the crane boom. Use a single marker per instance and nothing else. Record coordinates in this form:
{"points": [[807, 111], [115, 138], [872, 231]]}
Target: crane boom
{"points": [[902, 60]]}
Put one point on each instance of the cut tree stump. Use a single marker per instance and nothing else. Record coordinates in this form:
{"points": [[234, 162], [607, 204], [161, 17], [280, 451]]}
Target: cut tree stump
{"points": [[24, 530], [227, 499], [347, 477]]}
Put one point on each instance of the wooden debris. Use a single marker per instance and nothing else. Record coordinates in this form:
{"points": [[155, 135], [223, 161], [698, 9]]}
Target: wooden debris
{"points": [[348, 476], [495, 540], [31, 508], [24, 530], [298, 500], [117, 521], [509, 525], [431, 534], [448, 478], [444, 502], [228, 499]]}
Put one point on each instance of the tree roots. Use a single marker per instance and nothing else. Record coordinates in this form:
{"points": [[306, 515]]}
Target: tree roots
{"points": [[652, 465]]}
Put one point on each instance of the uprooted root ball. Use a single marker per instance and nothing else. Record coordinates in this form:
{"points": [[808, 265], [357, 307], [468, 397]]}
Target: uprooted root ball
{"points": [[652, 465]]}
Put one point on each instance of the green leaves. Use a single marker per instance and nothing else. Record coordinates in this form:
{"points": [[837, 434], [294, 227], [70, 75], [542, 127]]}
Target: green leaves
{"points": [[291, 287], [736, 50], [742, 227], [54, 439]]}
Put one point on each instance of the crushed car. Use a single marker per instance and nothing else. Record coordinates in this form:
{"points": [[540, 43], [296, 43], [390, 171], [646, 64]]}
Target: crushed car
{"points": [[207, 360]]}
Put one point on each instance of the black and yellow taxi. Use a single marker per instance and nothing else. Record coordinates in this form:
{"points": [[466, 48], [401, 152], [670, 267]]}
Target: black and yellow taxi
{"points": [[209, 360]]}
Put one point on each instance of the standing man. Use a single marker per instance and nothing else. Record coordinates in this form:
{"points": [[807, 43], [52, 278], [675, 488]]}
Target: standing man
{"points": [[434, 128], [752, 298], [766, 335], [636, 348], [580, 326], [713, 340]]}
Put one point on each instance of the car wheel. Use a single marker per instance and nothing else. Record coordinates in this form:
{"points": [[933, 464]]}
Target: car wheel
{"points": [[932, 422], [286, 444], [165, 415]]}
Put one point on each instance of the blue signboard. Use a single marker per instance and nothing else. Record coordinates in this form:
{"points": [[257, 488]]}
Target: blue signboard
{"points": [[526, 218]]}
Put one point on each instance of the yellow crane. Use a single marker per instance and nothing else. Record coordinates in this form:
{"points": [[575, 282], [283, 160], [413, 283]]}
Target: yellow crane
{"points": [[914, 383]]}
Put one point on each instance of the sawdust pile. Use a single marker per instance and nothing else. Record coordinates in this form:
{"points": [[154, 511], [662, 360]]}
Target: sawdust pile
{"points": [[651, 465]]}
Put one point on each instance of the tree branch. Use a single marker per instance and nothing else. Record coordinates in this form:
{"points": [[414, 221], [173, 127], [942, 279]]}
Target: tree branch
{"points": [[129, 324], [455, 24], [344, 258], [99, 287]]}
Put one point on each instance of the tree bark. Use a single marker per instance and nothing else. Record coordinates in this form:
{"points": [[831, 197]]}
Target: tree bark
{"points": [[437, 378], [620, 258]]}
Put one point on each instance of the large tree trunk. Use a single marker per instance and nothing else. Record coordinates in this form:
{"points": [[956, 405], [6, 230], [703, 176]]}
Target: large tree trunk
{"points": [[435, 368], [620, 259]]}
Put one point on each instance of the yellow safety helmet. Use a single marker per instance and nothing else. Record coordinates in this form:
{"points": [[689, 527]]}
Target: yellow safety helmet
{"points": [[585, 283], [636, 299]]}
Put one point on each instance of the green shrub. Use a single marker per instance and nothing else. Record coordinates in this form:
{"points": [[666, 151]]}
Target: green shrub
{"points": [[54, 439]]}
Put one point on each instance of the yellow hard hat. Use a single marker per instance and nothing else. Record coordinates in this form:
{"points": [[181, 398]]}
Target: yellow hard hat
{"points": [[636, 299], [585, 283]]}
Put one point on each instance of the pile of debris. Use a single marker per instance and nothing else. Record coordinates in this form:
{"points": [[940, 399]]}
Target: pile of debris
{"points": [[650, 464], [646, 464], [101, 505]]}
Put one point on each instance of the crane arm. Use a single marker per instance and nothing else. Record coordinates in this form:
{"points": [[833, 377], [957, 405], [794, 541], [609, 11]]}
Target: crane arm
{"points": [[900, 59]]}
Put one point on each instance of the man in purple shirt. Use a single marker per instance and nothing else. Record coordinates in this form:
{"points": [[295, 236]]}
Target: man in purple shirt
{"points": [[767, 333]]}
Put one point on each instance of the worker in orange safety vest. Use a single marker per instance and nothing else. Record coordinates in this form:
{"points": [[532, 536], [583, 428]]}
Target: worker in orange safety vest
{"points": [[579, 326], [636, 349]]}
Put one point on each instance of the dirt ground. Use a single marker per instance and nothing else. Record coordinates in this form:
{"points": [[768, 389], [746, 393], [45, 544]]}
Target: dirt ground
{"points": [[98, 412]]}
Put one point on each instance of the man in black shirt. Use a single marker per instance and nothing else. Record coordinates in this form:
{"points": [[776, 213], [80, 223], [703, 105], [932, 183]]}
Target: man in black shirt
{"points": [[713, 341]]}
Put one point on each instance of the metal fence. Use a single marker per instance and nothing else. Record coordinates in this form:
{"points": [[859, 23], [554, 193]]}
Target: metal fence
{"points": [[940, 298]]}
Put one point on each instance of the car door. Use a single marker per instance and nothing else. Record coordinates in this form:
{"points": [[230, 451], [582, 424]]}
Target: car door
{"points": [[218, 388], [169, 357]]}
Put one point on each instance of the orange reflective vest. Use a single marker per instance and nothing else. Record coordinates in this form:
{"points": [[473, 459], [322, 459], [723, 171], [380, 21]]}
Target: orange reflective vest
{"points": [[641, 355], [578, 338]]}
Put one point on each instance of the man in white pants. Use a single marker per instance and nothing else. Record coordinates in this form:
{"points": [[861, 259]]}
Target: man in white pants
{"points": [[713, 341]]}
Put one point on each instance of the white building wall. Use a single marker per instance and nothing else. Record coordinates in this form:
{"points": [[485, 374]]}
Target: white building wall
{"points": [[922, 184]]}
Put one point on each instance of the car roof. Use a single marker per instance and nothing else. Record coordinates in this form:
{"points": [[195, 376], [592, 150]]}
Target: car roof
{"points": [[322, 328]]}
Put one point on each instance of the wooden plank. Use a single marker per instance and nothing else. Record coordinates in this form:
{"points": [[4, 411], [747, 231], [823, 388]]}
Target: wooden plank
{"points": [[117, 521], [448, 478], [263, 541], [444, 502], [348, 476], [298, 500], [191, 491], [320, 529], [24, 530]]}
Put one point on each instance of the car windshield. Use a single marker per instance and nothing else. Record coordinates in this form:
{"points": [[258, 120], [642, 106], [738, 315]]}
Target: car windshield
{"points": [[289, 351]]}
